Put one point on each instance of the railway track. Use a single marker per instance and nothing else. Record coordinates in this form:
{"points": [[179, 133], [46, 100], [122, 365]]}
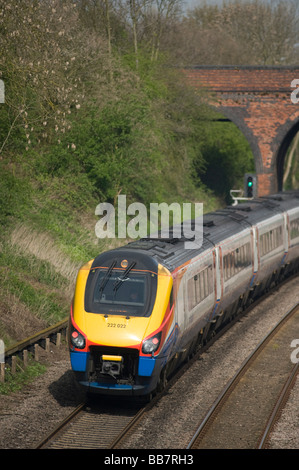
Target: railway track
{"points": [[90, 425], [106, 426], [97, 426], [71, 433], [245, 412], [281, 402]]}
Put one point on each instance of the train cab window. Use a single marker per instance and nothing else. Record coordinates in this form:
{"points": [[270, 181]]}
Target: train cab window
{"points": [[108, 292]]}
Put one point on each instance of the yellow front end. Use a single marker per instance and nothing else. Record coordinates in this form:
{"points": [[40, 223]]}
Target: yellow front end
{"points": [[121, 337], [120, 330]]}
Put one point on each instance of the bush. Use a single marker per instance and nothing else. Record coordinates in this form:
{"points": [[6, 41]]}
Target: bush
{"points": [[14, 195], [227, 157]]}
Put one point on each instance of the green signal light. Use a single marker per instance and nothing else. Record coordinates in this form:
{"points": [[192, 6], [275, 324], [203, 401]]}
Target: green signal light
{"points": [[249, 185]]}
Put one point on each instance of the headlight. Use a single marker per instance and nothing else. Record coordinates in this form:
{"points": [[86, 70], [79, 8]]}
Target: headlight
{"points": [[152, 344], [77, 339]]}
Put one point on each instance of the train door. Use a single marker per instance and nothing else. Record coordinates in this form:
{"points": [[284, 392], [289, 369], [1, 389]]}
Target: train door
{"points": [[180, 299], [255, 249], [218, 281], [286, 236], [218, 270]]}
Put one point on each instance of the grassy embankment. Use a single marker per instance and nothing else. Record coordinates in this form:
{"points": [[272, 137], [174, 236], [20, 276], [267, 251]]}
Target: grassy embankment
{"points": [[44, 240]]}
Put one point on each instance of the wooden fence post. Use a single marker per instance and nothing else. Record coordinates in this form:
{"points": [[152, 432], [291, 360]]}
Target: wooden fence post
{"points": [[36, 346], [25, 358]]}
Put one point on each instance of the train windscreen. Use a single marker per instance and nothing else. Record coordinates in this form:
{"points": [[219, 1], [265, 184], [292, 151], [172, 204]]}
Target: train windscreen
{"points": [[114, 293]]}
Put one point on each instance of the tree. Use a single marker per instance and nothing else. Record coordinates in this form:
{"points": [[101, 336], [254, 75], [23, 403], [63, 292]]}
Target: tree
{"points": [[158, 18], [237, 33], [47, 60]]}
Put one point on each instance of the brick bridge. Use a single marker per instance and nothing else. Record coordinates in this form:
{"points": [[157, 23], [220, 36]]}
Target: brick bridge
{"points": [[258, 101]]}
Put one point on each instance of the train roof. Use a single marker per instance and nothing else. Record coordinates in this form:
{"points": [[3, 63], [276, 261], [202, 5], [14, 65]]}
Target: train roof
{"points": [[217, 226], [286, 200]]}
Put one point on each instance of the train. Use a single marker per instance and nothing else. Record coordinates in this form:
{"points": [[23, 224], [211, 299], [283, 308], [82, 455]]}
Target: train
{"points": [[142, 309]]}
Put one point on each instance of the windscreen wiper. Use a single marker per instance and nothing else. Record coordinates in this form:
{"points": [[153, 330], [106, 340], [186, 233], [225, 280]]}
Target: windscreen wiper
{"points": [[124, 276], [106, 277]]}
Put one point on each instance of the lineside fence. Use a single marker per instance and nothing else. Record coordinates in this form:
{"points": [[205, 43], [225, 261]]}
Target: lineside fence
{"points": [[30, 346]]}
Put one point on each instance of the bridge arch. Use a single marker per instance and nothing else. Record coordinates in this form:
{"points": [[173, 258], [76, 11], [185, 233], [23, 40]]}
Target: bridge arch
{"points": [[247, 132], [258, 100]]}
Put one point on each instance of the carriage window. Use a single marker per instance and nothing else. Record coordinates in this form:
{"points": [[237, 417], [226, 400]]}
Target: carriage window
{"points": [[271, 240], [294, 225], [236, 260], [200, 287], [191, 294], [197, 289]]}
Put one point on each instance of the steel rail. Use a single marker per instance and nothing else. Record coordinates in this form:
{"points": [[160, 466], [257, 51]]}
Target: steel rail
{"points": [[135, 420], [89, 428], [281, 401], [61, 425], [226, 392]]}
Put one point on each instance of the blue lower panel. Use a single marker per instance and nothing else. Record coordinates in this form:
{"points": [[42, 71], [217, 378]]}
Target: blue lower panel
{"points": [[79, 360], [116, 387], [146, 366]]}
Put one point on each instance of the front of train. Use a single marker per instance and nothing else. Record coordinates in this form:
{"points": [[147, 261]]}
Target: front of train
{"points": [[122, 324]]}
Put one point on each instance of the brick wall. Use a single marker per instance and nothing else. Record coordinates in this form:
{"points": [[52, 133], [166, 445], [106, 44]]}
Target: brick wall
{"points": [[258, 101]]}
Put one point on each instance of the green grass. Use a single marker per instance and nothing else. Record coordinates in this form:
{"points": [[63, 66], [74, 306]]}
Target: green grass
{"points": [[28, 265], [15, 382], [34, 282]]}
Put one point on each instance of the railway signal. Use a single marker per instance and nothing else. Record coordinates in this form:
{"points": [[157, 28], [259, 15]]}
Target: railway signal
{"points": [[250, 185]]}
